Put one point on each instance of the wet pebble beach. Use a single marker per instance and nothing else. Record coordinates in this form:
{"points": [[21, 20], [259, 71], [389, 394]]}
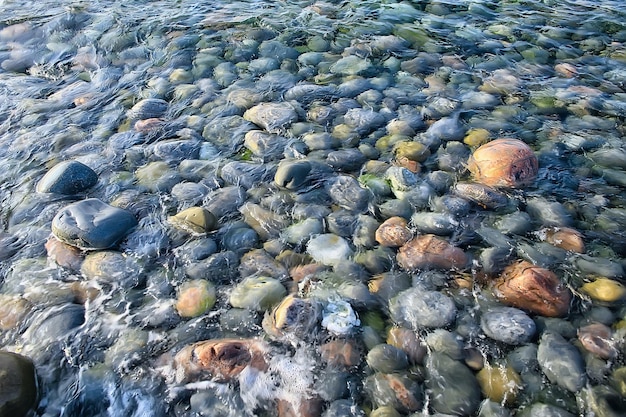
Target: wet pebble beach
{"points": [[313, 208]]}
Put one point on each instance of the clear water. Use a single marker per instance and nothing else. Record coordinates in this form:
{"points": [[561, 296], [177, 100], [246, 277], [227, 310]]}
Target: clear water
{"points": [[69, 72]]}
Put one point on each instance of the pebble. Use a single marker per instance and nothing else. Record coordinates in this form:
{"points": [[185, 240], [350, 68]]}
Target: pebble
{"points": [[292, 174], [604, 290], [508, 325], [393, 232], [454, 388], [417, 309], [504, 162], [19, 392], [598, 339], [293, 318], [501, 384], [329, 249], [532, 288], [195, 298], [67, 177], [561, 362], [347, 193], [387, 359], [257, 293], [429, 251], [273, 117], [92, 224], [194, 220]]}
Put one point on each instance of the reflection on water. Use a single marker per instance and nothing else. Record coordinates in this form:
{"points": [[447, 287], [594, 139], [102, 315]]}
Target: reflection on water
{"points": [[383, 102]]}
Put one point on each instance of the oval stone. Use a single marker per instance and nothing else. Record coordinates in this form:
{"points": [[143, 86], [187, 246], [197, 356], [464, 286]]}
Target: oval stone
{"points": [[508, 325], [67, 177], [18, 384], [417, 309], [92, 224], [504, 162], [429, 251]]}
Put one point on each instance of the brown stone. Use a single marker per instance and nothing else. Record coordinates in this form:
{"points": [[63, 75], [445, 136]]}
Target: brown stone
{"points": [[409, 342], [393, 232], [13, 310], [220, 359], [563, 237], [403, 393], [429, 251], [147, 125], [532, 288], [340, 353], [305, 407], [63, 254], [597, 338], [301, 272], [504, 162]]}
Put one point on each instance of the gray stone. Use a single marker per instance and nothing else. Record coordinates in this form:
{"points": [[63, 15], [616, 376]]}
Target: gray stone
{"points": [[67, 177], [246, 174], [561, 362], [416, 309], [509, 325], [273, 117], [292, 174], [454, 388], [346, 192], [18, 385], [220, 267], [387, 358], [92, 224], [147, 109]]}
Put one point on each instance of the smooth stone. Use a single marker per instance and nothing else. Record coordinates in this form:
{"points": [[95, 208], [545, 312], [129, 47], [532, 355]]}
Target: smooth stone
{"points": [[417, 309], [599, 266], [408, 341], [454, 388], [443, 341], [545, 410], [561, 362], [113, 267], [603, 401], [92, 224], [440, 224], [189, 193], [195, 220], [301, 232], [329, 249], [549, 213], [266, 223], [605, 290], [265, 145], [257, 293], [347, 193], [517, 223], [341, 353], [220, 267], [508, 325], [393, 232], [148, 108], [395, 390], [196, 250], [598, 339], [364, 120], [19, 391], [157, 176], [67, 177], [490, 408], [482, 195], [529, 287], [565, 238], [339, 318], [52, 326], [246, 174], [195, 298], [504, 162], [352, 65], [177, 150], [499, 383], [346, 160], [240, 239], [273, 117], [64, 255], [292, 174], [341, 223], [495, 259], [225, 202], [429, 251], [259, 262]]}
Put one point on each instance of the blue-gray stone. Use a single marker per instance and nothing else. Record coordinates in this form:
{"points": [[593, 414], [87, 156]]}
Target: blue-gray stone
{"points": [[67, 177], [508, 325], [92, 224], [561, 362]]}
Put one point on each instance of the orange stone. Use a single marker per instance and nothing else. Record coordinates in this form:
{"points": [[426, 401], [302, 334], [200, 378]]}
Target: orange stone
{"points": [[219, 359], [564, 237], [340, 353], [63, 254], [429, 251], [393, 232], [532, 288], [504, 162], [409, 342]]}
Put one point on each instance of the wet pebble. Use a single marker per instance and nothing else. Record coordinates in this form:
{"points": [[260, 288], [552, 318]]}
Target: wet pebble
{"points": [[454, 388], [508, 325], [504, 163], [67, 177], [604, 290], [20, 392], [92, 224], [329, 249], [194, 220], [273, 117], [561, 362], [195, 298], [416, 309], [429, 251], [257, 293]]}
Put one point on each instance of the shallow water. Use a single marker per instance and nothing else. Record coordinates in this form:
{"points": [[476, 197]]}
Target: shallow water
{"points": [[549, 73]]}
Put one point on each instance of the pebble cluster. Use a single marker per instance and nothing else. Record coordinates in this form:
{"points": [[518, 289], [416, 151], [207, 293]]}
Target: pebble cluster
{"points": [[333, 209]]}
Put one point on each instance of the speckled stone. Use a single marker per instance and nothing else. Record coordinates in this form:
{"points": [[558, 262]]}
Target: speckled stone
{"points": [[429, 251], [508, 325]]}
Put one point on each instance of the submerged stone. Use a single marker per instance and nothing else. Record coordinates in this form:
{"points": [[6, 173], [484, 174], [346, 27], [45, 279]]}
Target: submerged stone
{"points": [[561, 362], [67, 177], [504, 163], [417, 309], [18, 385], [92, 224]]}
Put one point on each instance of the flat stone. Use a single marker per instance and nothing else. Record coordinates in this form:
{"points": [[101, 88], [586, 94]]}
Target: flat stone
{"points": [[67, 177], [273, 117], [92, 224], [508, 325], [455, 389]]}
